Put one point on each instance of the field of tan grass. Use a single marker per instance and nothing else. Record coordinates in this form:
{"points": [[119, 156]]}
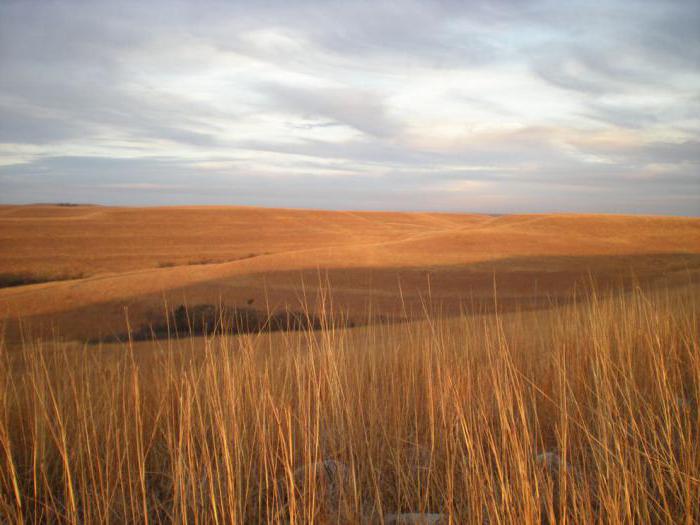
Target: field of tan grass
{"points": [[432, 369], [582, 413], [98, 260]]}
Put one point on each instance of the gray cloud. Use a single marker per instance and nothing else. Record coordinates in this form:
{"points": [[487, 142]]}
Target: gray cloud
{"points": [[24, 127], [359, 109], [327, 104]]}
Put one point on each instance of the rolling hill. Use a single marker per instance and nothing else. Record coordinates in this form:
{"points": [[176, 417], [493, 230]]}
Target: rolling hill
{"points": [[89, 265]]}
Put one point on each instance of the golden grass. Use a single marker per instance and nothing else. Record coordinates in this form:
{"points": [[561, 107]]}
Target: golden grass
{"points": [[138, 256], [445, 415]]}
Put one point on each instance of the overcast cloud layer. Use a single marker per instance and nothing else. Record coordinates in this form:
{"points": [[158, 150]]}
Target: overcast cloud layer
{"points": [[506, 106]]}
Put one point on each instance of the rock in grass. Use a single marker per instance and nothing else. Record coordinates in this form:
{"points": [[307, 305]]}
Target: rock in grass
{"points": [[552, 467], [551, 462], [415, 518]]}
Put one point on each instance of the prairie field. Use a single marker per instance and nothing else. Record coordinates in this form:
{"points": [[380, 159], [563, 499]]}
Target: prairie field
{"points": [[87, 268], [433, 368]]}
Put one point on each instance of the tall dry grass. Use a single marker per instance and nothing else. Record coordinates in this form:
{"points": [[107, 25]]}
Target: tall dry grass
{"points": [[444, 415]]}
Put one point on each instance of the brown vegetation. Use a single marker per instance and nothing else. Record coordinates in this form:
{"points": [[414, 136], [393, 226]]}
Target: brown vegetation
{"points": [[465, 369], [137, 257], [8, 280], [585, 412]]}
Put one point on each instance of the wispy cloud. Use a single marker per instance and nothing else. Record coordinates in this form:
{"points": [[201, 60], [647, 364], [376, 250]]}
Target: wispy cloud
{"points": [[487, 106]]}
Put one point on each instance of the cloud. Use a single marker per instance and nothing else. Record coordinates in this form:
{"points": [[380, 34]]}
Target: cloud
{"points": [[497, 190], [18, 126], [362, 110], [441, 105]]}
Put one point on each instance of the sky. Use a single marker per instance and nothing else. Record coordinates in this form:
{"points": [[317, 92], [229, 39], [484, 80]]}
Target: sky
{"points": [[473, 106]]}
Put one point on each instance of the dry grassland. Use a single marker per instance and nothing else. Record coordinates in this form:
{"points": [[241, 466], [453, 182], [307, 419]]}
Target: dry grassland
{"points": [[451, 369], [253, 257], [584, 413]]}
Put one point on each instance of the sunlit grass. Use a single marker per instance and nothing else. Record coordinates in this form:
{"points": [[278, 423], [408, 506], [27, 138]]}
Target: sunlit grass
{"points": [[443, 415]]}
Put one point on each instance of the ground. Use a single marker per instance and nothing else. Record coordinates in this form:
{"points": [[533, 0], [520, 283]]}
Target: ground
{"points": [[94, 266]]}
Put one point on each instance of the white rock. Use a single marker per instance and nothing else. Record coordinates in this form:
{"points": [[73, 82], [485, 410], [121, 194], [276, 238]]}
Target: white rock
{"points": [[551, 462], [415, 518]]}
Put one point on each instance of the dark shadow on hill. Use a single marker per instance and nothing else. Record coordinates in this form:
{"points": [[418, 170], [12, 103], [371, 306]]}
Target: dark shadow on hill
{"points": [[208, 319], [9, 280], [363, 296]]}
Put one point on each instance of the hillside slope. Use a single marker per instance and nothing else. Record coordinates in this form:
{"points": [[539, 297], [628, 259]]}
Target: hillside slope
{"points": [[140, 258]]}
